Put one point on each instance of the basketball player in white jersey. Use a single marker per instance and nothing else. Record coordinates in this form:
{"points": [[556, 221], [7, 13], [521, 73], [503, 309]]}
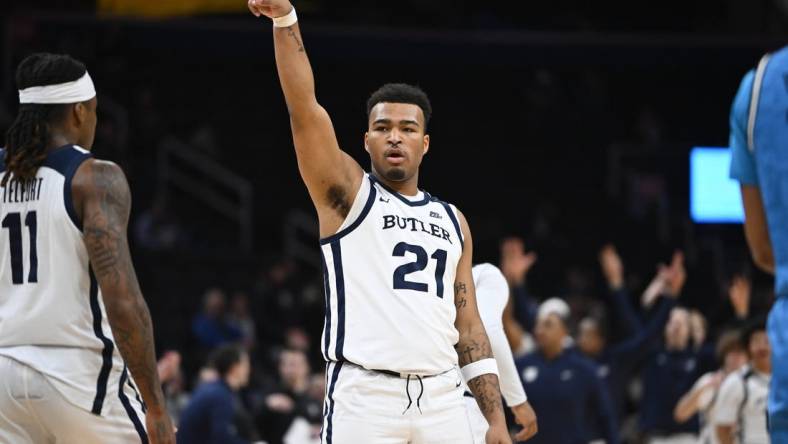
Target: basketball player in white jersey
{"points": [[401, 309], [492, 295], [740, 409], [73, 323]]}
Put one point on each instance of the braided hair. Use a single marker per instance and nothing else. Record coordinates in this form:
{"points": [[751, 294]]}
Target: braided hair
{"points": [[28, 136]]}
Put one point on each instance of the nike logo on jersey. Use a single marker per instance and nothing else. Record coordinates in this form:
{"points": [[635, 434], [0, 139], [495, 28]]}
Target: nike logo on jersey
{"points": [[413, 224], [383, 200]]}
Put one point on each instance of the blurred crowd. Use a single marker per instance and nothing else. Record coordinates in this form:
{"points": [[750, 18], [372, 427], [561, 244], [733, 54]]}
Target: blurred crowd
{"points": [[630, 349], [630, 363]]}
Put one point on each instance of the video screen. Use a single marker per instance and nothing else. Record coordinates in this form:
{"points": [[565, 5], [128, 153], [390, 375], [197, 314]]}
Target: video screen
{"points": [[714, 196]]}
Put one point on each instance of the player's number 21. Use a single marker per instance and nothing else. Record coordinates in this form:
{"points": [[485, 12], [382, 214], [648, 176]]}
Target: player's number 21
{"points": [[400, 283]]}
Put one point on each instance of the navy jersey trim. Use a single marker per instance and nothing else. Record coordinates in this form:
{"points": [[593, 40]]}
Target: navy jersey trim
{"points": [[325, 401], [143, 407], [336, 251], [454, 221], [2, 160], [427, 198], [327, 291], [330, 413], [740, 412], [65, 160], [106, 352], [359, 219], [129, 409]]}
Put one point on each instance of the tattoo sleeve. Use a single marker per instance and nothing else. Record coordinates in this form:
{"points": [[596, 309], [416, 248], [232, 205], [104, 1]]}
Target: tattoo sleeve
{"points": [[106, 208], [474, 346]]}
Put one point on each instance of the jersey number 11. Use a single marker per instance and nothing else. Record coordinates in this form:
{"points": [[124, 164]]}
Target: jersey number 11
{"points": [[13, 222]]}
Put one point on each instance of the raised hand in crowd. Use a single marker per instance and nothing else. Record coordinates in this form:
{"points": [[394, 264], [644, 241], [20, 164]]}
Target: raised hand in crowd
{"points": [[612, 266], [739, 294], [515, 262]]}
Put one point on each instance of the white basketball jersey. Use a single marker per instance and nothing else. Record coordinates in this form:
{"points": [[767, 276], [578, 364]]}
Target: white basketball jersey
{"points": [[52, 316], [742, 402], [389, 280]]}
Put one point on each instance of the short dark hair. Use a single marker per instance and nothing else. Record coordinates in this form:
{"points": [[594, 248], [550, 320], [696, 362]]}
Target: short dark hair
{"points": [[729, 341], [401, 93], [28, 135], [755, 325], [224, 358]]}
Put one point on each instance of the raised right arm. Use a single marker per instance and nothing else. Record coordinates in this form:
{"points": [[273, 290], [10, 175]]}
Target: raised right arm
{"points": [[331, 175], [613, 270]]}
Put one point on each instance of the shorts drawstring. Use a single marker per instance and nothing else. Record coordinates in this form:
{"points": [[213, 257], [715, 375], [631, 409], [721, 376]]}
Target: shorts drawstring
{"points": [[421, 392], [410, 401], [407, 392]]}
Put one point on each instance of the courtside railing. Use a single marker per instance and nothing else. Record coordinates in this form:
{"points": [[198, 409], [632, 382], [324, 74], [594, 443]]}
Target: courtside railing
{"points": [[210, 183]]}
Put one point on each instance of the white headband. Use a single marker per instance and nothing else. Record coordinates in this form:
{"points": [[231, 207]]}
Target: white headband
{"points": [[70, 92]]}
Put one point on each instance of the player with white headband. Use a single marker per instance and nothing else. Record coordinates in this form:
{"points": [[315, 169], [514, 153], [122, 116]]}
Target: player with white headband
{"points": [[76, 91], [76, 342]]}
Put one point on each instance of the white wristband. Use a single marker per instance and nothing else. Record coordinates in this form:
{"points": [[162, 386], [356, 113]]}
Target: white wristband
{"points": [[286, 20], [478, 368]]}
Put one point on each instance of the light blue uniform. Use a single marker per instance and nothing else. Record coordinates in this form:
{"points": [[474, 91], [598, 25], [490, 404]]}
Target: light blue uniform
{"points": [[759, 146]]}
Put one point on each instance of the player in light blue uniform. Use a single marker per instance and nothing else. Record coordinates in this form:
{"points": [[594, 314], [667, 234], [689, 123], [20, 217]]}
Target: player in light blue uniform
{"points": [[759, 146]]}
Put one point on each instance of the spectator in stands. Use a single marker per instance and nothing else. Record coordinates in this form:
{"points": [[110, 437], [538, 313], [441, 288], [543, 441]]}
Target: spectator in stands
{"points": [[214, 414], [240, 318], [701, 399], [210, 327], [289, 397], [306, 429], [617, 361], [297, 339], [171, 377], [671, 371], [699, 329], [515, 265], [740, 410], [562, 386], [275, 298], [157, 228]]}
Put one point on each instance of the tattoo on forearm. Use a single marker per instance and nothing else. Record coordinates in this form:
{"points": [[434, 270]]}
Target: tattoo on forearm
{"points": [[473, 347], [472, 350], [105, 239], [460, 288], [488, 396], [292, 34]]}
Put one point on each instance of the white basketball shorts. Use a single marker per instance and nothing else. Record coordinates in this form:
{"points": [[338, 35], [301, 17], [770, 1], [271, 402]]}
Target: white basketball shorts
{"points": [[369, 407], [32, 411]]}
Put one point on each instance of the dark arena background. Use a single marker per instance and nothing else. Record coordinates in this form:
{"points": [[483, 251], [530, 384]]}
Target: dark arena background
{"points": [[566, 124]]}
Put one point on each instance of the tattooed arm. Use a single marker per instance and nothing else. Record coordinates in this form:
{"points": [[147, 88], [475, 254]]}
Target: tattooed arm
{"points": [[331, 176], [474, 344], [102, 198]]}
